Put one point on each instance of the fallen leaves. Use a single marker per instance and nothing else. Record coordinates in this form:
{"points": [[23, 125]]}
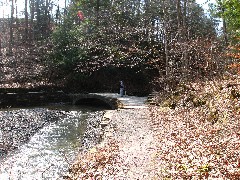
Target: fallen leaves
{"points": [[96, 162], [190, 147]]}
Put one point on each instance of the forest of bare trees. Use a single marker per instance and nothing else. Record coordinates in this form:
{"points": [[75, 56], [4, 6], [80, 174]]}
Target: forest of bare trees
{"points": [[184, 61], [163, 40]]}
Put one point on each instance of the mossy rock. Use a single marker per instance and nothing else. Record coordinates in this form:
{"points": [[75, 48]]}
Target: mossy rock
{"points": [[197, 102], [169, 103], [235, 94], [213, 116]]}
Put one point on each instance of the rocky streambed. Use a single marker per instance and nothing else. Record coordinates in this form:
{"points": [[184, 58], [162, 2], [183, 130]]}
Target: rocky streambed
{"points": [[17, 126], [39, 136]]}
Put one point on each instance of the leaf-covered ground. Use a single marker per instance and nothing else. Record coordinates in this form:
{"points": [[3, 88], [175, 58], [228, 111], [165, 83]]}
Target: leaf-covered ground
{"points": [[197, 139], [200, 141], [200, 138], [190, 147]]}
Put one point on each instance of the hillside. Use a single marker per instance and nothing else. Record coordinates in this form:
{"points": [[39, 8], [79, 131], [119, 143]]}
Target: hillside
{"points": [[197, 129], [23, 70]]}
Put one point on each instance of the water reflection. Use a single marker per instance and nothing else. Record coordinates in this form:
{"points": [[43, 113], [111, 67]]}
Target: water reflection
{"points": [[48, 153]]}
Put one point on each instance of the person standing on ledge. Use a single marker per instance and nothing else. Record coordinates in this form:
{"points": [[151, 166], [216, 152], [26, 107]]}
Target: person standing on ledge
{"points": [[121, 88]]}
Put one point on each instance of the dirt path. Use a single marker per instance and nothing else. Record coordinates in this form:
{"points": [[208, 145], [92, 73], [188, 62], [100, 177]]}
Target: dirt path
{"points": [[136, 143], [128, 146]]}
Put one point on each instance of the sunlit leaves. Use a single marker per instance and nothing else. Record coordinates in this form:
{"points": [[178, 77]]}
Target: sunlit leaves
{"points": [[234, 54], [95, 163], [230, 11], [190, 146]]}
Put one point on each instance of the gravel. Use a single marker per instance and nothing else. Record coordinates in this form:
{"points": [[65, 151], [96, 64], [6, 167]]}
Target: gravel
{"points": [[92, 135], [126, 152], [136, 143]]}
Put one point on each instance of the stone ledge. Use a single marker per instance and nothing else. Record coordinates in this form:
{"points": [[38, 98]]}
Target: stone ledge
{"points": [[95, 99], [16, 99], [107, 131]]}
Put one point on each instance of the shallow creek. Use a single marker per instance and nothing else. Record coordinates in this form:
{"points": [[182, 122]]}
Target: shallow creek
{"points": [[49, 152]]}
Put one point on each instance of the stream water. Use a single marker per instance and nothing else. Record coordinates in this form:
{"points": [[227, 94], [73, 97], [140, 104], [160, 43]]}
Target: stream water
{"points": [[49, 152]]}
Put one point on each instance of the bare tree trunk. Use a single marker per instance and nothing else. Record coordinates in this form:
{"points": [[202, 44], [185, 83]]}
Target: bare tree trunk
{"points": [[183, 35], [147, 25], [32, 36], [26, 21], [58, 15], [184, 23], [65, 8], [165, 24], [225, 32], [17, 25], [97, 13], [0, 44], [37, 32], [47, 19], [10, 52], [185, 45], [224, 23], [179, 13]]}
